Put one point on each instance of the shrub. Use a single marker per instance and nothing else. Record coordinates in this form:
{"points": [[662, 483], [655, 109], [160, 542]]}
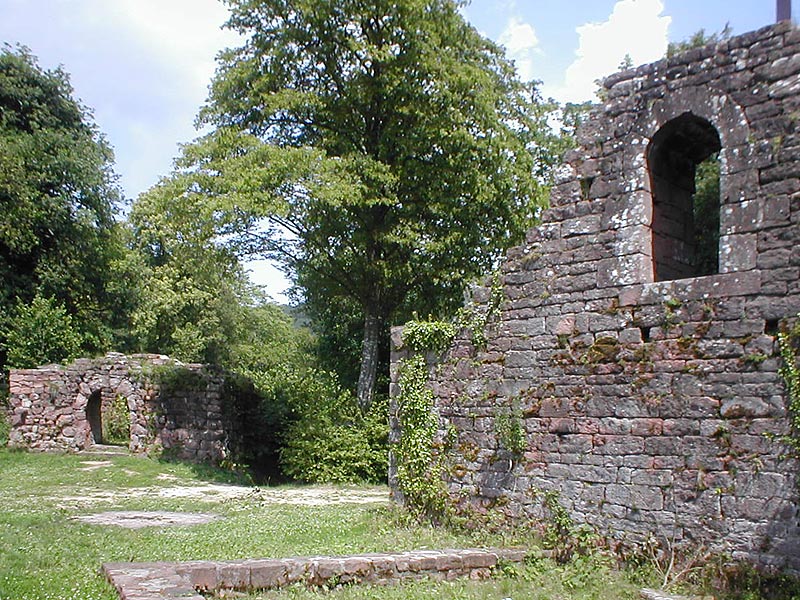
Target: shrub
{"points": [[39, 333], [330, 440], [117, 422]]}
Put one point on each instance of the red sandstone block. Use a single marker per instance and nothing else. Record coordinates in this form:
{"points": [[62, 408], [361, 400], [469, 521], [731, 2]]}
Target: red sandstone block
{"points": [[483, 573], [449, 562], [296, 570], [357, 565], [408, 562], [201, 574], [384, 567], [182, 592], [233, 575], [646, 426], [512, 554], [323, 569], [475, 559], [267, 574]]}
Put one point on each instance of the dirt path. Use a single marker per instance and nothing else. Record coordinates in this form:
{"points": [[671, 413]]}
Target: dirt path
{"points": [[318, 495]]}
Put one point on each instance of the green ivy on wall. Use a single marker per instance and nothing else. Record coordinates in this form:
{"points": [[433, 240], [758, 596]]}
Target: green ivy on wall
{"points": [[420, 459], [788, 343], [419, 467], [427, 336]]}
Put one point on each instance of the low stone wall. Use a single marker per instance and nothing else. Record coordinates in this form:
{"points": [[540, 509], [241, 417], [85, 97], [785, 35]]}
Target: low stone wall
{"points": [[157, 581], [171, 406]]}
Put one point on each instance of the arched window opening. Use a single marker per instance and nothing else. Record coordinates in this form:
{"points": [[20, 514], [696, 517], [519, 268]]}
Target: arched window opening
{"points": [[94, 411], [683, 159]]}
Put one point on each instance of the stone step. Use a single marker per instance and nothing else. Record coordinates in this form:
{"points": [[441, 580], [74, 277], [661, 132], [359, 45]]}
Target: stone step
{"points": [[194, 580], [106, 450]]}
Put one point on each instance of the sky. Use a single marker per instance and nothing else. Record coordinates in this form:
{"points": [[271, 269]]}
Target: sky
{"points": [[143, 66]]}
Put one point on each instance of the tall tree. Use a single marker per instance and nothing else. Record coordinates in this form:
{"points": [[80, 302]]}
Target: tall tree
{"points": [[429, 152], [58, 237], [194, 294]]}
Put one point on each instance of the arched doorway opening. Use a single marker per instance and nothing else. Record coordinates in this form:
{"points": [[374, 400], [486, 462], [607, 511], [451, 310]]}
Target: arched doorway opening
{"points": [[94, 412], [683, 162]]}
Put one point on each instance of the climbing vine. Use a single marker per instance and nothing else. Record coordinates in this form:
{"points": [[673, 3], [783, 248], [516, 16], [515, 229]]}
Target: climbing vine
{"points": [[420, 458], [475, 321], [419, 467], [424, 336], [790, 371]]}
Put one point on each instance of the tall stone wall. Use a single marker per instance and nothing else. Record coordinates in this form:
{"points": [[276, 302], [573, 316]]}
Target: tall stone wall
{"points": [[649, 395], [171, 407]]}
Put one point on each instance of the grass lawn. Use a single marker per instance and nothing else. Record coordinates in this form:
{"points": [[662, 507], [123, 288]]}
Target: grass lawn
{"points": [[46, 554]]}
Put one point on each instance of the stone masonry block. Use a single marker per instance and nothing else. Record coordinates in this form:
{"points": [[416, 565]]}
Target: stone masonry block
{"points": [[267, 574], [233, 576]]}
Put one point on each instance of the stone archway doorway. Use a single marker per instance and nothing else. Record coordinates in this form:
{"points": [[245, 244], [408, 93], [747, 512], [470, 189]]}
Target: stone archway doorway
{"points": [[94, 414]]}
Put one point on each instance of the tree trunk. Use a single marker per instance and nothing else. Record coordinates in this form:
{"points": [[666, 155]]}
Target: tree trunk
{"points": [[369, 358]]}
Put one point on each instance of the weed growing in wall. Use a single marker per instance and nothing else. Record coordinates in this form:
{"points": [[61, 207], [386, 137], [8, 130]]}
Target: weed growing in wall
{"points": [[509, 430]]}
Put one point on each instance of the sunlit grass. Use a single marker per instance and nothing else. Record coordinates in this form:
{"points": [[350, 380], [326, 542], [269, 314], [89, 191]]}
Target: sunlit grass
{"points": [[46, 554]]}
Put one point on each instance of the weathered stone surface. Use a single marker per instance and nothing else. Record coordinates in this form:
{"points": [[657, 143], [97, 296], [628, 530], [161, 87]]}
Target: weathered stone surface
{"points": [[649, 401], [187, 422], [160, 581]]}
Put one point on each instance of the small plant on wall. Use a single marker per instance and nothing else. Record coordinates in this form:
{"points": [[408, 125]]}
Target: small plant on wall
{"points": [[510, 431]]}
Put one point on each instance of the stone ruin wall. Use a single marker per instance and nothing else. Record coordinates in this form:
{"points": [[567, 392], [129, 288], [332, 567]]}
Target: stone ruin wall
{"points": [[173, 407], [650, 407]]}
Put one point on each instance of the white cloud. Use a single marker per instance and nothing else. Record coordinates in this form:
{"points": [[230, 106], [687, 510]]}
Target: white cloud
{"points": [[521, 44], [635, 28], [157, 59], [184, 34]]}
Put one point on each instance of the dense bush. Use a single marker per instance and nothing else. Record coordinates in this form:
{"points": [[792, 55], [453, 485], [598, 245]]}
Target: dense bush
{"points": [[38, 333], [117, 422], [332, 441], [58, 198]]}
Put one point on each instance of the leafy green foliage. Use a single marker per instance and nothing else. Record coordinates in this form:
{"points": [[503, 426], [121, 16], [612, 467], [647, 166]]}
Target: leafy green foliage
{"points": [[789, 350], [117, 422], [509, 430], [385, 153], [39, 333], [194, 300], [292, 419], [419, 466], [706, 215], [331, 440], [427, 336], [58, 238]]}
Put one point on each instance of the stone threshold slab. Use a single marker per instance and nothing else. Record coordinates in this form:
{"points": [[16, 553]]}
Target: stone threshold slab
{"points": [[186, 580]]}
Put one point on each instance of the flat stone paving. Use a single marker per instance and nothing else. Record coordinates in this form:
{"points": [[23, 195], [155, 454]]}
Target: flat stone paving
{"points": [[138, 519], [185, 580]]}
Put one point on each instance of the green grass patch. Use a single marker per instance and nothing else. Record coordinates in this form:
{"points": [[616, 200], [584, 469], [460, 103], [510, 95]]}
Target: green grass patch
{"points": [[47, 555]]}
